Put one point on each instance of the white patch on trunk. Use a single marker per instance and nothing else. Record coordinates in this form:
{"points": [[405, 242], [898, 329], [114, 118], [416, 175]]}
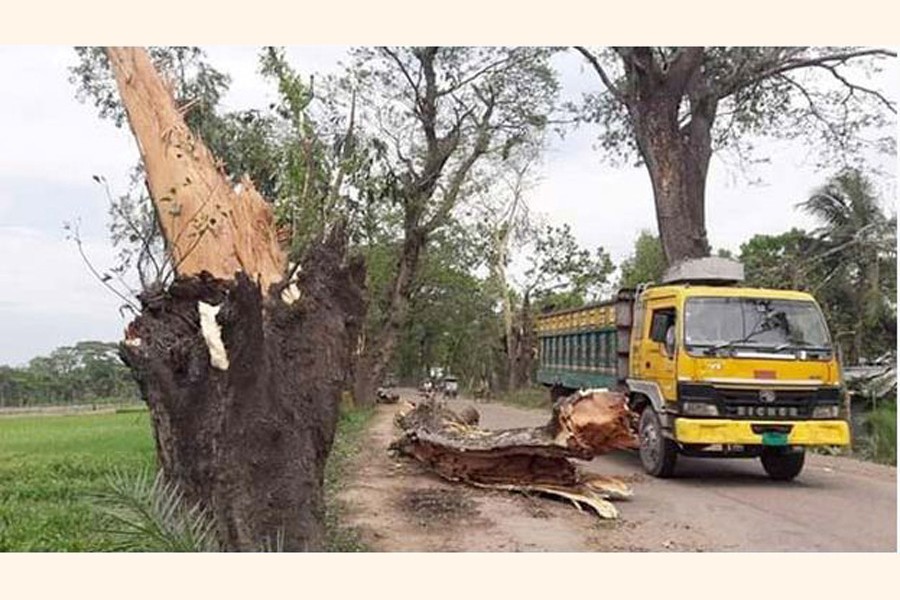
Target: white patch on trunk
{"points": [[212, 334], [291, 293]]}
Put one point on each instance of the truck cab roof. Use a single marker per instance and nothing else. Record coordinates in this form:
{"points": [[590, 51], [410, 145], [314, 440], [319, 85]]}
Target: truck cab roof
{"points": [[716, 291]]}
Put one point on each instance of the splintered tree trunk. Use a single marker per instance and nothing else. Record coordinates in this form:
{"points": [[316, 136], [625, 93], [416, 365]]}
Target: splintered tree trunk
{"points": [[242, 370]]}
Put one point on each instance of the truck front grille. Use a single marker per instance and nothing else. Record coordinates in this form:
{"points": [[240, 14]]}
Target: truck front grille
{"points": [[767, 403]]}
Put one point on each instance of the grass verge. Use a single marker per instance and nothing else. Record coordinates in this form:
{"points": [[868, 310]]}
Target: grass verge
{"points": [[347, 442]]}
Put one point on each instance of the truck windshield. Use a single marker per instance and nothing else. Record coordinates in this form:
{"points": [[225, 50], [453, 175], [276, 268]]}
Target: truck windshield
{"points": [[754, 323]]}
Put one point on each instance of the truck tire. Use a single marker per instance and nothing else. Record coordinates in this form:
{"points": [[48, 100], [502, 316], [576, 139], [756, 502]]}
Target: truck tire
{"points": [[658, 453], [781, 465]]}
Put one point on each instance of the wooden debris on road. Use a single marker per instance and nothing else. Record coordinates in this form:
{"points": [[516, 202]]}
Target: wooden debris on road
{"points": [[533, 459]]}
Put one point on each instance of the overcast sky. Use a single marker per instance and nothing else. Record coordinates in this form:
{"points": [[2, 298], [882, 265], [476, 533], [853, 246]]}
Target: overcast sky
{"points": [[52, 145]]}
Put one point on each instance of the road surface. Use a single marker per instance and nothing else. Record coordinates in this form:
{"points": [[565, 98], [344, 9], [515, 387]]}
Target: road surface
{"points": [[835, 504]]}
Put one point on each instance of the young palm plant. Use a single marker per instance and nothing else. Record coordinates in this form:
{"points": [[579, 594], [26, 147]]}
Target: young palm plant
{"points": [[145, 513]]}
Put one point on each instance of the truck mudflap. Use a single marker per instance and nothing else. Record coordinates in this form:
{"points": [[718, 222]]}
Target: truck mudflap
{"points": [[794, 433]]}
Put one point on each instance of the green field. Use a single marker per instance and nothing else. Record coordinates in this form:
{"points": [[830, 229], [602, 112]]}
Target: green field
{"points": [[49, 466]]}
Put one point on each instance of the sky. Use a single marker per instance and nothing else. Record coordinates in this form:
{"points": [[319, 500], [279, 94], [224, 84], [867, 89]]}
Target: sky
{"points": [[51, 145]]}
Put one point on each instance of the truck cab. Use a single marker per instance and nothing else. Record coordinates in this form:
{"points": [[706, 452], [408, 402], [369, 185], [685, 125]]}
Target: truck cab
{"points": [[732, 371], [711, 367]]}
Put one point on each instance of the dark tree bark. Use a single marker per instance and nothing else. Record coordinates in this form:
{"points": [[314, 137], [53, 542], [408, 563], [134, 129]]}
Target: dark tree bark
{"points": [[520, 347], [677, 157], [250, 442], [416, 191], [373, 362], [677, 165], [527, 344]]}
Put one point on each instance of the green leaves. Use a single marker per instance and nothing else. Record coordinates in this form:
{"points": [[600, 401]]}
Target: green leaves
{"points": [[558, 263], [89, 371], [645, 264]]}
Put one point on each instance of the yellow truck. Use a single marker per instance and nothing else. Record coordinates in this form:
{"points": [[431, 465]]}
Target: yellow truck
{"points": [[712, 368]]}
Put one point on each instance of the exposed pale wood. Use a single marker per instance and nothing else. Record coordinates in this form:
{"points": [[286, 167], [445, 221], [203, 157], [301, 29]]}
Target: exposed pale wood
{"points": [[208, 225]]}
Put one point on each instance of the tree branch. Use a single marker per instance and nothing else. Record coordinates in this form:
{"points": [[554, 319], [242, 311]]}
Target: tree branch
{"points": [[462, 171], [791, 64], [682, 66], [613, 89], [852, 86], [393, 55], [466, 80]]}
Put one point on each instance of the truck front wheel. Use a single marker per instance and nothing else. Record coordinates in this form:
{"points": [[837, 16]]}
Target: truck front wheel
{"points": [[658, 453], [781, 465]]}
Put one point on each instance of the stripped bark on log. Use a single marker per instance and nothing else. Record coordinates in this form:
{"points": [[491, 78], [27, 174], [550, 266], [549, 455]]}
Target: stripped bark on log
{"points": [[527, 459]]}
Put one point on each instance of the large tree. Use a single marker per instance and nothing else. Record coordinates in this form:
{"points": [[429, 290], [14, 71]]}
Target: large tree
{"points": [[675, 106], [440, 116], [242, 358]]}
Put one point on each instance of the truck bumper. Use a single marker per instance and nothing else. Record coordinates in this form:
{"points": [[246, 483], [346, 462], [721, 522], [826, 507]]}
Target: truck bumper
{"points": [[721, 431]]}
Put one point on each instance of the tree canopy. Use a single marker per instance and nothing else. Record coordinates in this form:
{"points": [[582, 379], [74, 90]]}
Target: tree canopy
{"points": [[672, 107]]}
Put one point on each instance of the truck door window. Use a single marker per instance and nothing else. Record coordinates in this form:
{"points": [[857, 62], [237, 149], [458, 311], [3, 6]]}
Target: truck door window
{"points": [[662, 329]]}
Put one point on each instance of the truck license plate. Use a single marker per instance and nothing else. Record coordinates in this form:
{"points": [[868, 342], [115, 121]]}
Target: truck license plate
{"points": [[774, 438]]}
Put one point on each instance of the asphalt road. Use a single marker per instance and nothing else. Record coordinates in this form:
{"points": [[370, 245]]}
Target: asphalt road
{"points": [[835, 504]]}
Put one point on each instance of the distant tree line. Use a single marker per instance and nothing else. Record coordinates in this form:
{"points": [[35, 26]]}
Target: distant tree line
{"points": [[87, 372]]}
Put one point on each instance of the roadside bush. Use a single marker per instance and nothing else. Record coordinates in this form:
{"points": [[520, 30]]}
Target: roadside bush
{"points": [[880, 443]]}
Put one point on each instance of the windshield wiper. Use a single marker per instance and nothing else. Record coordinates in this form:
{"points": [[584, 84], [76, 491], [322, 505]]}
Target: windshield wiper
{"points": [[729, 344], [801, 346]]}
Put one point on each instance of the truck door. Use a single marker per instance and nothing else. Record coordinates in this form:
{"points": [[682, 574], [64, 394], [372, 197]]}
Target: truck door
{"points": [[658, 345]]}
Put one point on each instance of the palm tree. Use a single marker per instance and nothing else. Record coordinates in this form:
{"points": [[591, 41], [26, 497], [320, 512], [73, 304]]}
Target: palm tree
{"points": [[858, 253]]}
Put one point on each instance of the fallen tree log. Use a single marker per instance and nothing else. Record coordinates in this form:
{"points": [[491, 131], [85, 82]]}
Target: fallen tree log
{"points": [[242, 366], [526, 459]]}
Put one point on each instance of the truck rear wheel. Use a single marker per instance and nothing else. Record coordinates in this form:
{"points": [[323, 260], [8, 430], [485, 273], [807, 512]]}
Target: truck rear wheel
{"points": [[781, 465], [658, 453]]}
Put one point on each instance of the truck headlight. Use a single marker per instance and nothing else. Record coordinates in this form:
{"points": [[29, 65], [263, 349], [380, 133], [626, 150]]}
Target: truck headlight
{"points": [[704, 409], [826, 412]]}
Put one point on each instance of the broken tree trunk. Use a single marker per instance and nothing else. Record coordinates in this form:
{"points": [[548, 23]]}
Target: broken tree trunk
{"points": [[242, 369], [208, 225], [527, 459]]}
